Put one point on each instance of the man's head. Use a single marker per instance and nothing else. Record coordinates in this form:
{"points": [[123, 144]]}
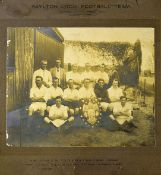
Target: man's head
{"points": [[55, 82], [86, 83], [94, 100], [39, 81], [123, 100], [58, 101], [44, 63], [115, 83], [101, 82], [70, 83], [102, 67], [58, 63], [87, 67], [75, 67]]}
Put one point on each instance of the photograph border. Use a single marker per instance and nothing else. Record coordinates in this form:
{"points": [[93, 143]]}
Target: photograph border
{"points": [[82, 152]]}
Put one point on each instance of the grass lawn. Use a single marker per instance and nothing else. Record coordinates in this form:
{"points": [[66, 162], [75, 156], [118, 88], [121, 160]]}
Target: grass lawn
{"points": [[32, 134]]}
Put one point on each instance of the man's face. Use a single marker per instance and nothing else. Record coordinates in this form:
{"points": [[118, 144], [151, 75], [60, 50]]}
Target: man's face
{"points": [[58, 63], [44, 65], [75, 68], [123, 101], [55, 82], [101, 83], [94, 100], [70, 83], [115, 83], [102, 68], [58, 102], [38, 82], [86, 83], [130, 53]]}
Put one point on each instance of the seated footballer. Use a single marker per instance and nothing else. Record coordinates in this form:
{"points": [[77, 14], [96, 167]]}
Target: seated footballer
{"points": [[122, 115], [58, 114], [38, 97]]}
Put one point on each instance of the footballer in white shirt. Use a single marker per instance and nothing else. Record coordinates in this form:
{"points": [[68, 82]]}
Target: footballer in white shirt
{"points": [[86, 92], [88, 74], [75, 76], [38, 97], [44, 73], [115, 92], [71, 97], [122, 114], [101, 74], [54, 91], [58, 114]]}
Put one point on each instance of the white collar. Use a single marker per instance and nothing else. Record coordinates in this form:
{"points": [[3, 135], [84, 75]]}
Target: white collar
{"points": [[40, 87]]}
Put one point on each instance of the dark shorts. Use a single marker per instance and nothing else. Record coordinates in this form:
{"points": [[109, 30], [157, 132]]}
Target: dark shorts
{"points": [[71, 104], [51, 102]]}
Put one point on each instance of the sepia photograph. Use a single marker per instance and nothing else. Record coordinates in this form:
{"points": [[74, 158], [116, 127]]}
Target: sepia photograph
{"points": [[80, 87]]}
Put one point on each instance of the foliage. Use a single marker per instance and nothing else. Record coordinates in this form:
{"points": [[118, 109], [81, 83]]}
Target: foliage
{"points": [[128, 57]]}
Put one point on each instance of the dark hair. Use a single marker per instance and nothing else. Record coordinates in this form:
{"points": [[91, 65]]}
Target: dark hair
{"points": [[38, 76], [123, 97], [59, 97], [70, 80], [75, 64], [86, 79], [55, 78], [101, 79], [44, 59], [115, 80]]}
